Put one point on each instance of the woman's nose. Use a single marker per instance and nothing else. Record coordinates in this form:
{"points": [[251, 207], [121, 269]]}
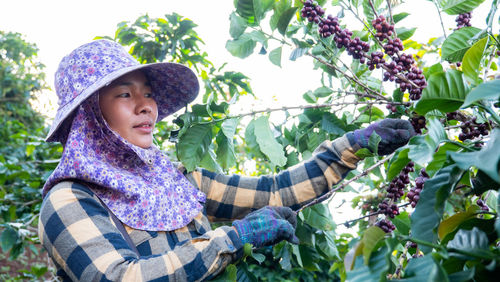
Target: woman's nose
{"points": [[145, 105]]}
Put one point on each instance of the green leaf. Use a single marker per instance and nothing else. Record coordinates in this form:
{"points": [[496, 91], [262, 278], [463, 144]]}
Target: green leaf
{"points": [[285, 19], [455, 46], [225, 151], [8, 238], [373, 142], [451, 223], [398, 17], [371, 237], [397, 163], [209, 161], [472, 60], [485, 91], [237, 25], [193, 145], [331, 124], [267, 143], [318, 216], [376, 270], [440, 157], [445, 91], [473, 242], [405, 33], [241, 47], [486, 160], [455, 7], [275, 56], [422, 147], [402, 223], [261, 7], [298, 52], [322, 92], [325, 244], [245, 8], [424, 269], [430, 208]]}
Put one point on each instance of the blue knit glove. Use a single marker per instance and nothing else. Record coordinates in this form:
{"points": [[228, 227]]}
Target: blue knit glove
{"points": [[393, 132], [267, 226]]}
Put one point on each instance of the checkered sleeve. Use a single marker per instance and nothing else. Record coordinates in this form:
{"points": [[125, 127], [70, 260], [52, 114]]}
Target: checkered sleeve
{"points": [[233, 196], [81, 238]]}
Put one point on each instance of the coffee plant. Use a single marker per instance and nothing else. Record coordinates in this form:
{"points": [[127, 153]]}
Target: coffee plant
{"points": [[429, 211]]}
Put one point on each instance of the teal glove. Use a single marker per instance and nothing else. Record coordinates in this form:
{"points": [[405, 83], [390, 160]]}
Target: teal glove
{"points": [[267, 226], [394, 133]]}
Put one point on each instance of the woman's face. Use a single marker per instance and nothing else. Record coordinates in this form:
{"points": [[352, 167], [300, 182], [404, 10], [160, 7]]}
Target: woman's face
{"points": [[129, 109]]}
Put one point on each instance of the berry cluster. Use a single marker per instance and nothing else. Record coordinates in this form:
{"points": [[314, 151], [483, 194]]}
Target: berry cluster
{"points": [[312, 11], [329, 26], [356, 48], [395, 190], [386, 225], [471, 129], [383, 28], [393, 46], [392, 69], [418, 123], [388, 209], [482, 205], [463, 20], [414, 194], [376, 60], [342, 38], [416, 76]]}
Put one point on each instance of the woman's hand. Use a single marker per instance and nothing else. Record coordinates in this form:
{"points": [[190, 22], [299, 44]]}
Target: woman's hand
{"points": [[267, 226], [394, 133]]}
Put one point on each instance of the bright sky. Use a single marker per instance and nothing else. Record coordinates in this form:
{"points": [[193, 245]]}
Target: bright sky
{"points": [[57, 27]]}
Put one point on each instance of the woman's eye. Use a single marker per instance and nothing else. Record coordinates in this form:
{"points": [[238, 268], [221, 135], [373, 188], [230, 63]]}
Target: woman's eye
{"points": [[148, 95], [124, 95]]}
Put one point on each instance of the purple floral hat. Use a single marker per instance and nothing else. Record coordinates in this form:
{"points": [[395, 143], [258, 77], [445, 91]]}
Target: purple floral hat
{"points": [[96, 64]]}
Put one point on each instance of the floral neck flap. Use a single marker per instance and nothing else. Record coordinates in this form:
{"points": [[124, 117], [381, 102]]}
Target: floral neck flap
{"points": [[140, 186]]}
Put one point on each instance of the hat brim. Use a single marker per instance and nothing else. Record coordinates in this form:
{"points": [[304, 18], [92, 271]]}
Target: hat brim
{"points": [[173, 85]]}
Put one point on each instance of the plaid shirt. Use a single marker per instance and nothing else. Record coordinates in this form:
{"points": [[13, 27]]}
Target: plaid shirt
{"points": [[85, 244]]}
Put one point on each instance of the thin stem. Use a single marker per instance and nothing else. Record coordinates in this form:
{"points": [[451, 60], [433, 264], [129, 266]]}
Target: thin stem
{"points": [[317, 106], [390, 16], [348, 223], [440, 18], [344, 184], [347, 76]]}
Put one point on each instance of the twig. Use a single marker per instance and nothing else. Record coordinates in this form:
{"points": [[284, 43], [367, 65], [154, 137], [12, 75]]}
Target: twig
{"points": [[440, 18], [344, 184], [347, 76], [373, 8], [390, 16], [317, 106], [348, 223]]}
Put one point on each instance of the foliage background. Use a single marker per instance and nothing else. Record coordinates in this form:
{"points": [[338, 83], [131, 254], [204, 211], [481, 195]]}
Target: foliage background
{"points": [[456, 241]]}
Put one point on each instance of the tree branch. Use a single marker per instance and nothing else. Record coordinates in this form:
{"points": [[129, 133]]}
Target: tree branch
{"points": [[344, 184], [347, 76], [440, 18]]}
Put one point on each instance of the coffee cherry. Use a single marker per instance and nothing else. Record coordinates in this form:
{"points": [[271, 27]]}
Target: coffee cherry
{"points": [[386, 225], [383, 28], [414, 194], [393, 46], [418, 123], [482, 205], [328, 26], [312, 11], [463, 20]]}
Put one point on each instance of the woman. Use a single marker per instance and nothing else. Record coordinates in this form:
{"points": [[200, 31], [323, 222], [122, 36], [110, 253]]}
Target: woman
{"points": [[116, 208]]}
